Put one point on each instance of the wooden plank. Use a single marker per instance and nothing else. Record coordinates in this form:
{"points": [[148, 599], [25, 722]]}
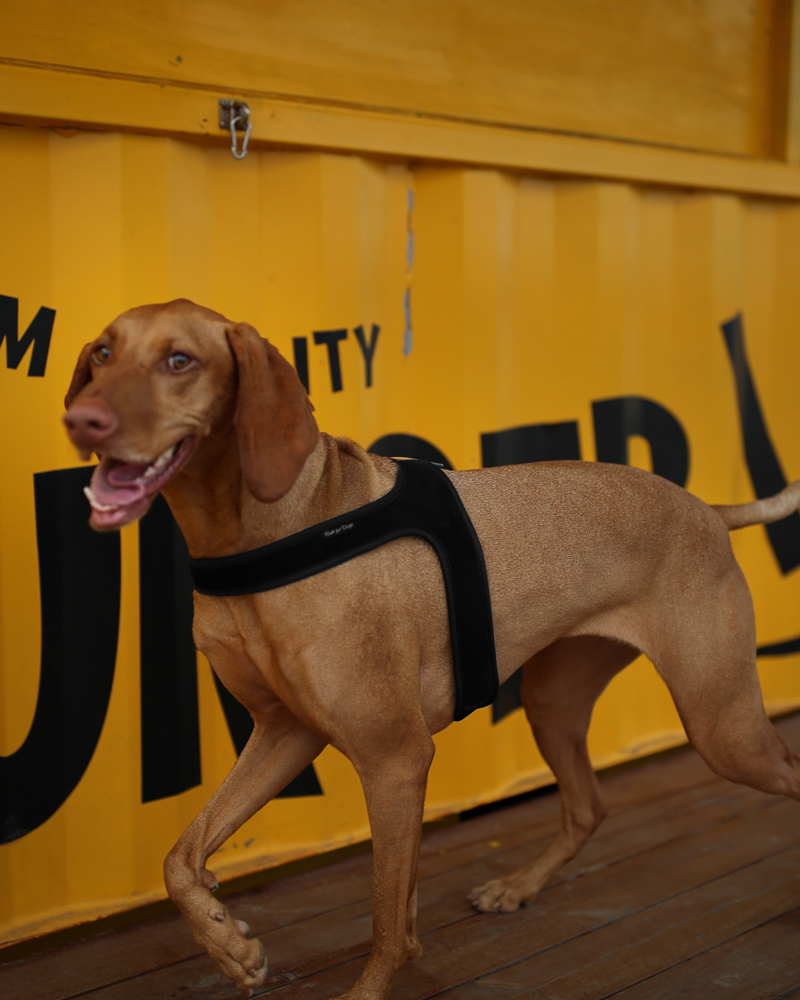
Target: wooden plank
{"points": [[472, 946], [761, 964], [686, 924], [489, 989], [687, 75], [523, 829], [104, 959], [570, 911], [52, 98], [793, 102], [624, 835], [677, 789], [442, 901]]}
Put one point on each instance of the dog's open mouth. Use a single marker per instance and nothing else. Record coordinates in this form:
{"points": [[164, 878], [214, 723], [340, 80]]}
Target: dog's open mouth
{"points": [[120, 492]]}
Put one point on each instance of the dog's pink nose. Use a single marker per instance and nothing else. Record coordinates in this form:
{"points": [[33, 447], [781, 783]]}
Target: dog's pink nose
{"points": [[89, 423]]}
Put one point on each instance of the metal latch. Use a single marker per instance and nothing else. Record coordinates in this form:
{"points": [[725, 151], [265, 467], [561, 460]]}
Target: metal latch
{"points": [[235, 115]]}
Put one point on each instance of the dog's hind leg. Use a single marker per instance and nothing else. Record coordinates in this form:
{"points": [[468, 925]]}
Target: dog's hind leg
{"points": [[710, 670], [560, 685], [732, 733]]}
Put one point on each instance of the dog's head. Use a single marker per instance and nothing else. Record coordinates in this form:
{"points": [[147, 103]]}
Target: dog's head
{"points": [[162, 384]]}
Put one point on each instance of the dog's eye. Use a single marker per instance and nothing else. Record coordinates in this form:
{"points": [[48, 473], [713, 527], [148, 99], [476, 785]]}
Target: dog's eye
{"points": [[179, 361], [101, 355]]}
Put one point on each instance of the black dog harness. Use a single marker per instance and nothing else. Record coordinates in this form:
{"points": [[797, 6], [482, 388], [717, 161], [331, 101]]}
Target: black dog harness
{"points": [[422, 502]]}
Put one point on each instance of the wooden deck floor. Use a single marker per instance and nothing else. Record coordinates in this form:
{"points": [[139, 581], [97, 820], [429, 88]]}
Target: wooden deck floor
{"points": [[690, 889]]}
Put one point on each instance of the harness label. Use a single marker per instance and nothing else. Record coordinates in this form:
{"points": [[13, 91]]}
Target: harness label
{"points": [[337, 531]]}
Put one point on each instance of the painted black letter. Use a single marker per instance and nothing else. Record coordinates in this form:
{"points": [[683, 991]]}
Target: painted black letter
{"points": [[409, 446], [79, 583], [168, 661], [38, 334], [766, 473], [331, 340], [615, 420], [368, 350], [531, 443]]}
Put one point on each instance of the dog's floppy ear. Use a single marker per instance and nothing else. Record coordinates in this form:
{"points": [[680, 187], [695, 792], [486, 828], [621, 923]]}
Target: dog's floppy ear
{"points": [[274, 421], [80, 377]]}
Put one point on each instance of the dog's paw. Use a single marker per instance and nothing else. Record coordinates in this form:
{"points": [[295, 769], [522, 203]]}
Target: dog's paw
{"points": [[228, 942], [497, 896]]}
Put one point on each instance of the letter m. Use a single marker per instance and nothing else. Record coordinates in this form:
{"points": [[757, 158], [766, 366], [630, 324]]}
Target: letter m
{"points": [[38, 334]]}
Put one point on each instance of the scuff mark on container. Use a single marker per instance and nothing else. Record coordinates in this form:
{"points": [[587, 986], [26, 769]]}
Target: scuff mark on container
{"points": [[408, 339]]}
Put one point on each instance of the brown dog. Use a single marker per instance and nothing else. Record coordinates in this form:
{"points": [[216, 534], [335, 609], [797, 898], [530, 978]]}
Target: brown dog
{"points": [[588, 565]]}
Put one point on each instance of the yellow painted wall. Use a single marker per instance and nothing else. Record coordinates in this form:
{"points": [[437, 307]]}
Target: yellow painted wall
{"points": [[592, 270], [530, 299]]}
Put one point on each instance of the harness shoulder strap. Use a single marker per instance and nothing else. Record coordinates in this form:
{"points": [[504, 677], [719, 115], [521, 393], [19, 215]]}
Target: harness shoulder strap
{"points": [[423, 503]]}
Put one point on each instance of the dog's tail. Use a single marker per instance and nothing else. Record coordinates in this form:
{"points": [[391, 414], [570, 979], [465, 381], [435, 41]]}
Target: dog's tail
{"points": [[761, 511]]}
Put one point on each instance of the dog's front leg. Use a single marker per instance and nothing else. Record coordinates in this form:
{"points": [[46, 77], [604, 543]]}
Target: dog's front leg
{"points": [[279, 748], [394, 778]]}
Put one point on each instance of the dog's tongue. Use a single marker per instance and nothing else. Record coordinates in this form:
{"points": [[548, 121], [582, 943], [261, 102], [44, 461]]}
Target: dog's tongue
{"points": [[115, 482]]}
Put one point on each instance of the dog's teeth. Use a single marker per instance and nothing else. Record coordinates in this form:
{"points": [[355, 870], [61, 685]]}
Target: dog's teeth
{"points": [[160, 462], [96, 505], [164, 457]]}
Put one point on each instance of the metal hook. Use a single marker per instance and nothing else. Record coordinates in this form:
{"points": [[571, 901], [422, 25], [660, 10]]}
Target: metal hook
{"points": [[240, 156], [231, 114]]}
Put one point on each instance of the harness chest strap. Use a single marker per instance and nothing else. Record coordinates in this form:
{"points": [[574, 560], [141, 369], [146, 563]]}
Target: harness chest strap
{"points": [[423, 503]]}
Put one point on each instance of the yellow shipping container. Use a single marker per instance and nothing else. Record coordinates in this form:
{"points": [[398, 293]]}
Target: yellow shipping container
{"points": [[568, 229]]}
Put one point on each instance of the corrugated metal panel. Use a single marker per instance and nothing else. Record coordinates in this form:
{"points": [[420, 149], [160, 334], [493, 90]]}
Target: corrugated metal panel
{"points": [[502, 301]]}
